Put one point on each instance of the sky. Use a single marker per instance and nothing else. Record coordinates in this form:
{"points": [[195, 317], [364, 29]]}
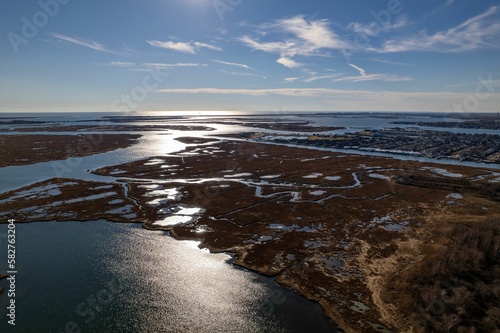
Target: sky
{"points": [[249, 55]]}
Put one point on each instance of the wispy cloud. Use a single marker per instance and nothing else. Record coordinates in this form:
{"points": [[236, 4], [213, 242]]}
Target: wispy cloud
{"points": [[363, 76], [167, 66], [374, 29], [313, 35], [448, 3], [296, 36], [288, 62], [290, 79], [373, 77], [81, 42], [185, 47], [390, 62], [232, 64], [243, 74], [304, 92], [361, 71], [482, 30], [120, 64], [355, 99], [199, 45], [299, 92], [320, 77], [150, 65]]}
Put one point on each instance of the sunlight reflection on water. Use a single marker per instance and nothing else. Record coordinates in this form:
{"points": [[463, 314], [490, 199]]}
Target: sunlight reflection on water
{"points": [[163, 285]]}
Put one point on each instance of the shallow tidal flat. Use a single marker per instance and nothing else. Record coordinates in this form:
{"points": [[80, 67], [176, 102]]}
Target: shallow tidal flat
{"points": [[109, 128], [29, 149], [333, 227]]}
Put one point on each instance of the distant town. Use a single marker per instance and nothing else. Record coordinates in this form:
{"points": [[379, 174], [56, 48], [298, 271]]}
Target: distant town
{"points": [[484, 148]]}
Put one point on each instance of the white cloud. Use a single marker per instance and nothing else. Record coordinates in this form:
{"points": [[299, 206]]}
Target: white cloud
{"points": [[176, 46], [199, 45], [390, 62], [296, 37], [373, 77], [167, 66], [185, 47], [359, 100], [290, 79], [85, 43], [361, 71], [479, 31], [290, 63], [314, 35], [304, 92], [232, 64], [269, 47], [243, 74], [320, 77], [120, 64], [363, 76], [374, 28]]}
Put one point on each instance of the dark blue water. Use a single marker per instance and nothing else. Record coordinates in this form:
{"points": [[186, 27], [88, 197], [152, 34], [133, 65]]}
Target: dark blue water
{"points": [[106, 277]]}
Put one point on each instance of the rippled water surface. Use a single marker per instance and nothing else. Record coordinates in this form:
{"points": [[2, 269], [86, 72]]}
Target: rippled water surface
{"points": [[106, 277]]}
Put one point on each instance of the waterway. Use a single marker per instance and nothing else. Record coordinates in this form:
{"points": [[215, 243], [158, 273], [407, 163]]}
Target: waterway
{"points": [[106, 277]]}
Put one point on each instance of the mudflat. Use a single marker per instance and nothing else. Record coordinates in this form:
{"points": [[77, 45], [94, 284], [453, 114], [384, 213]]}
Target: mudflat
{"points": [[29, 149]]}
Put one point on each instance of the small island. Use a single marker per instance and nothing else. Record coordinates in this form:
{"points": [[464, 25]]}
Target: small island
{"points": [[29, 149]]}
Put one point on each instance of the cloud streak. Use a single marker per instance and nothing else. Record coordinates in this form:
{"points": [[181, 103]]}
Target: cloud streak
{"points": [[482, 30], [363, 76], [243, 74], [350, 100], [184, 47], [361, 71], [81, 42], [232, 64], [299, 37], [288, 62], [373, 77]]}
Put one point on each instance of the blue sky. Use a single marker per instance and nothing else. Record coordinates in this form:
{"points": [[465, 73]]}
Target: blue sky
{"points": [[250, 55]]}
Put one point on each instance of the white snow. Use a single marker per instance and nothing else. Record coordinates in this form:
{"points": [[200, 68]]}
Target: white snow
{"points": [[455, 196], [237, 175], [318, 192], [378, 176], [444, 172], [313, 175], [270, 176]]}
